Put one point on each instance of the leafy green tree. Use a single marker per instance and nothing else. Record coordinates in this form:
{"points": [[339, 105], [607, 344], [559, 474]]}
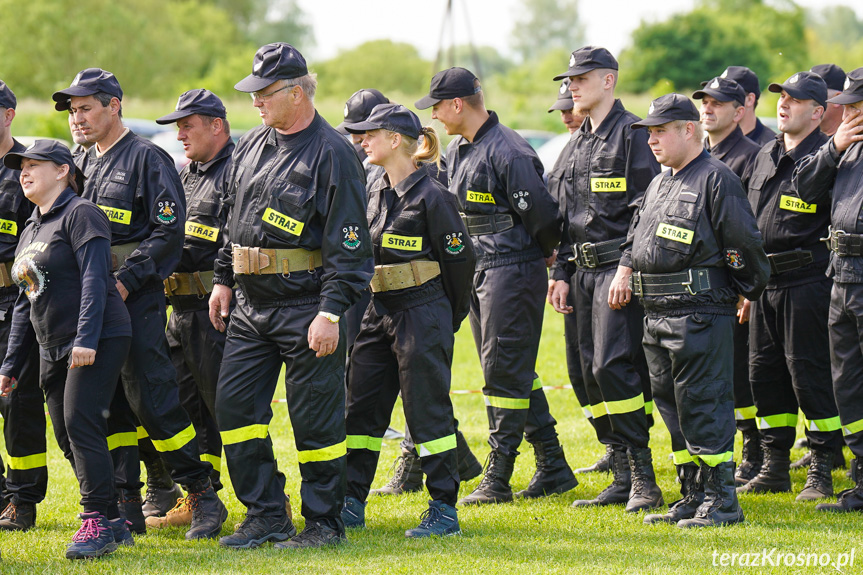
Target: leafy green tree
{"points": [[543, 25]]}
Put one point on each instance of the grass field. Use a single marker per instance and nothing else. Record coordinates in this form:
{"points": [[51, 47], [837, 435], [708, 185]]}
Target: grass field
{"points": [[544, 536]]}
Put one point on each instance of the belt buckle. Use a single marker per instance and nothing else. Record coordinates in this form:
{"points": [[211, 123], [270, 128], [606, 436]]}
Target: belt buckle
{"points": [[588, 252], [635, 282], [688, 284]]}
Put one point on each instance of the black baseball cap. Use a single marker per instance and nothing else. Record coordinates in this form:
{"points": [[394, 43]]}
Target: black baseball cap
{"points": [[803, 86], [588, 58], [87, 83], [564, 98], [7, 96], [722, 89], [197, 101], [360, 105], [669, 108], [393, 117], [853, 89], [50, 150], [833, 75], [449, 84], [277, 61], [743, 76]]}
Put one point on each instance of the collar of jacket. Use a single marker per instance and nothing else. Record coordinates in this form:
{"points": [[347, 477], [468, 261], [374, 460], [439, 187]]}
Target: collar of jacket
{"points": [[402, 187], [301, 137], [225, 152], [64, 198], [607, 125]]}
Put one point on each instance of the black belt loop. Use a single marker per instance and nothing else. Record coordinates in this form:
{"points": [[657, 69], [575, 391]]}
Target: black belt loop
{"points": [[691, 281], [593, 255], [484, 225]]}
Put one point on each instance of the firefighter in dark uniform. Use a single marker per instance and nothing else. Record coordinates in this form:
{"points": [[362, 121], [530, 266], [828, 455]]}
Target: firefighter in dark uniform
{"points": [[196, 347], [833, 174], [514, 225], [834, 77], [357, 109], [23, 410], [424, 266], [722, 110], [136, 185], [63, 265], [694, 248], [788, 363], [752, 127], [301, 255], [559, 181], [612, 167]]}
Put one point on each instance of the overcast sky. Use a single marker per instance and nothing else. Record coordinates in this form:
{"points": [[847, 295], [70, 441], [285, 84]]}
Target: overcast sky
{"points": [[341, 24]]}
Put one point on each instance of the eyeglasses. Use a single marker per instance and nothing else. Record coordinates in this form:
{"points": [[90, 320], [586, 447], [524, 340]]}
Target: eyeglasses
{"points": [[264, 97]]}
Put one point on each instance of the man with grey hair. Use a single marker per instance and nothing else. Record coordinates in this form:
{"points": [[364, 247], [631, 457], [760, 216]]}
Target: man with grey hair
{"points": [[300, 251]]}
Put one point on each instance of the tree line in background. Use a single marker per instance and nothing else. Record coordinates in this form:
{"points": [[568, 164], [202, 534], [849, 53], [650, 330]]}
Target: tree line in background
{"points": [[160, 48]]}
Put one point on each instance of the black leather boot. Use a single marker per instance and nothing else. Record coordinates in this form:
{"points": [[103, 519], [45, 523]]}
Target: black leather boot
{"points": [[407, 478], [819, 480], [720, 506], [494, 487], [618, 491], [553, 474], [208, 511], [469, 466], [18, 517], [774, 476], [644, 493], [692, 490], [752, 458], [162, 492], [603, 464], [850, 499], [129, 505]]}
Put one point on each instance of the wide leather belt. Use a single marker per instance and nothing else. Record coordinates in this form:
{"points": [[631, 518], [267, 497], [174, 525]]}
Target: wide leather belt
{"points": [[592, 255], [691, 281], [400, 276], [196, 283], [842, 243], [791, 260], [6, 274], [120, 252], [257, 261], [483, 225]]}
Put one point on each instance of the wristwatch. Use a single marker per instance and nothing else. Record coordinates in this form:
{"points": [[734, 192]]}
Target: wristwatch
{"points": [[333, 318]]}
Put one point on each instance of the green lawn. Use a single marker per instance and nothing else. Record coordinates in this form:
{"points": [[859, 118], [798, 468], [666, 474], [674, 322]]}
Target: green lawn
{"points": [[524, 537]]}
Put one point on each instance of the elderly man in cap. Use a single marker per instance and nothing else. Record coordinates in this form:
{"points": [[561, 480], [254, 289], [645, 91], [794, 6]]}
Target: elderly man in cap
{"points": [[833, 175], [612, 166], [514, 225], [196, 347], [134, 182], [693, 247], [23, 410], [722, 110], [301, 254], [752, 127], [789, 354], [834, 77]]}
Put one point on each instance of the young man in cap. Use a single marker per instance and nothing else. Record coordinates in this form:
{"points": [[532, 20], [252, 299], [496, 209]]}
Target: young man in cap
{"points": [[196, 347], [752, 127], [559, 184], [693, 247], [722, 110], [834, 77], [357, 109], [23, 410], [611, 169], [789, 354], [833, 174], [514, 225], [300, 254], [135, 184]]}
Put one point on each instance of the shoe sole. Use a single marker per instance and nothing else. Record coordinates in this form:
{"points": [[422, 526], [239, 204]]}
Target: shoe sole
{"points": [[484, 501], [432, 535], [110, 548], [569, 485], [258, 542], [287, 545]]}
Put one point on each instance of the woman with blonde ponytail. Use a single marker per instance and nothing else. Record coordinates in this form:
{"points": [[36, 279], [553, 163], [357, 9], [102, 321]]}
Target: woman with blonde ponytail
{"points": [[424, 266]]}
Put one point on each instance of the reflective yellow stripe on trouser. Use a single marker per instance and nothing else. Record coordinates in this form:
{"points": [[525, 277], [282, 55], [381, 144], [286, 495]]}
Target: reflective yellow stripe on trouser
{"points": [[778, 420], [681, 457], [829, 424], [853, 427], [213, 460], [649, 407], [537, 384], [745, 413], [364, 442], [141, 433], [436, 446], [28, 461], [125, 439], [176, 442], [714, 460], [241, 434], [506, 402], [618, 407], [323, 454]]}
